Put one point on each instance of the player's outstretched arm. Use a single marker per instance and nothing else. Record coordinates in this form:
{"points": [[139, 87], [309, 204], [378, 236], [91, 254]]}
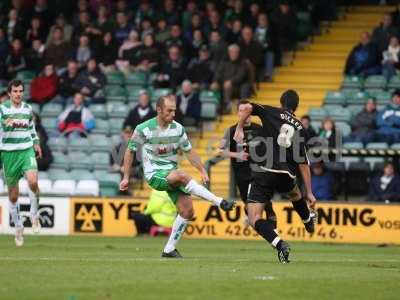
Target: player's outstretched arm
{"points": [[195, 161], [128, 160], [239, 134], [306, 174]]}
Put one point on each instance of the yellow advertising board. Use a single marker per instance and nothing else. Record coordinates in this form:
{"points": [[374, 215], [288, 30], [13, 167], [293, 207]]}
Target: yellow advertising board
{"points": [[337, 222]]}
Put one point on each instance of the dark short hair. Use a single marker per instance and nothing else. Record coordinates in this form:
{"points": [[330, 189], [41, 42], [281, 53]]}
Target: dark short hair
{"points": [[243, 101], [14, 83], [396, 93], [307, 117], [290, 100]]}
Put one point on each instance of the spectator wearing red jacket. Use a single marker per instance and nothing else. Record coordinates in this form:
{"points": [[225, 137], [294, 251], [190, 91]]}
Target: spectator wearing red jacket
{"points": [[45, 86]]}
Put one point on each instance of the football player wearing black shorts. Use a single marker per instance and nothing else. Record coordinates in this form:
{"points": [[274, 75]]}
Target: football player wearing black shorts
{"points": [[240, 159], [285, 151]]}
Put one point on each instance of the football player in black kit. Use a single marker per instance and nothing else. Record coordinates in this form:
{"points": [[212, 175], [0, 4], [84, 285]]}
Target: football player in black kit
{"points": [[285, 152], [239, 155]]}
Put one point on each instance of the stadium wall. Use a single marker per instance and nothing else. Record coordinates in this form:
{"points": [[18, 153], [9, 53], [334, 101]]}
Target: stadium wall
{"points": [[338, 222]]}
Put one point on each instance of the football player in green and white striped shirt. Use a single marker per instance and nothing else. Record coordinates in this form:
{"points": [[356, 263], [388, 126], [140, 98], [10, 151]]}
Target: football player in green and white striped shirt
{"points": [[158, 141], [18, 144]]}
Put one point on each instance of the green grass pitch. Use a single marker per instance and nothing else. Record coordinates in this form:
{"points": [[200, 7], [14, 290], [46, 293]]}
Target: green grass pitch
{"points": [[74, 268]]}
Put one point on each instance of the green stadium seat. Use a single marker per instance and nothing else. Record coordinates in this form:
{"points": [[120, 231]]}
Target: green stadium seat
{"points": [[99, 111], [99, 142], [344, 128], [317, 114], [43, 175], [395, 146], [115, 139], [51, 110], [25, 76], [78, 174], [136, 79], [316, 125], [60, 160], [102, 127], [303, 26], [50, 124], [109, 183], [79, 144], [209, 96], [35, 108], [355, 109], [115, 78], [353, 145], [133, 92], [80, 160], [340, 114], [374, 161], [335, 97], [115, 93], [116, 125], [117, 111], [208, 111], [383, 97], [394, 83], [375, 81], [377, 146], [58, 144], [357, 98], [347, 160], [58, 174], [157, 93], [101, 160], [354, 82]]}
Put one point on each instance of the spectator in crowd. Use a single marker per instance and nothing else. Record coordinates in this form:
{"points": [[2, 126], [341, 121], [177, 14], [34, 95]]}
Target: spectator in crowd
{"points": [[214, 23], [158, 217], [67, 87], [321, 182], [128, 52], [82, 53], [76, 120], [149, 57], [146, 28], [163, 33], [328, 132], [64, 26], [252, 18], [173, 71], [82, 26], [382, 33], [364, 58], [145, 11], [284, 21], [123, 28], [233, 35], [187, 15], [200, 70], [388, 121], [108, 53], [177, 39], [91, 81], [45, 86], [308, 129], [47, 157], [117, 153], [169, 12], [141, 112], [197, 42], [15, 60], [391, 62], [385, 187], [195, 24], [188, 105], [232, 78], [42, 11], [103, 23], [217, 49], [35, 56], [13, 27], [363, 125], [252, 50], [57, 52], [35, 32], [264, 35]]}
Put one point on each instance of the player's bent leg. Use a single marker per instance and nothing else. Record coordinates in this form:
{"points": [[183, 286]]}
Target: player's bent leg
{"points": [[185, 214], [179, 178], [308, 217], [32, 178], [13, 208]]}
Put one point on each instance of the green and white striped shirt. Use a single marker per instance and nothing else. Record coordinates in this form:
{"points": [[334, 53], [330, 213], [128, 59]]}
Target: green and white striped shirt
{"points": [[159, 147], [17, 131]]}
